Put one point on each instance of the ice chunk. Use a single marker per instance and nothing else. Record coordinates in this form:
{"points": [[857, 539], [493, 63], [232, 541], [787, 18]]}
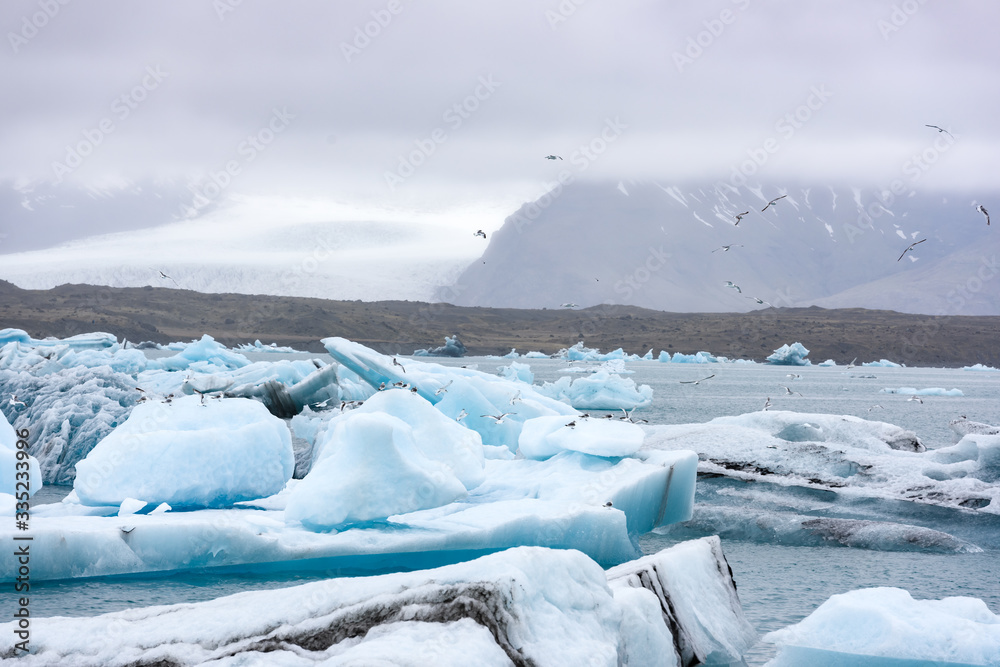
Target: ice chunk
{"points": [[370, 468], [600, 391], [205, 350], [882, 626], [975, 455], [979, 367], [543, 437], [963, 426], [452, 347], [14, 479], [828, 363], [696, 358], [517, 371], [698, 600], [189, 454], [580, 353], [260, 347], [790, 355], [882, 363], [535, 355], [929, 391]]}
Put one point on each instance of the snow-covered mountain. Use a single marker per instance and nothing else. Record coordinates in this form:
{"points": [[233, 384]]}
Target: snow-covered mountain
{"points": [[661, 246]]}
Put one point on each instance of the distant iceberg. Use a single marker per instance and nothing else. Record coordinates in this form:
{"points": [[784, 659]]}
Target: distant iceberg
{"points": [[929, 391], [599, 391], [979, 367], [882, 363], [790, 355], [580, 353], [452, 347], [260, 347]]}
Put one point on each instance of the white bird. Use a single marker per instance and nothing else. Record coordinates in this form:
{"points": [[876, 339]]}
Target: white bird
{"points": [[516, 398], [698, 381], [568, 304], [499, 418], [552, 157], [166, 277], [726, 248], [916, 398], [479, 232], [851, 365], [770, 203], [739, 216], [789, 392], [941, 129], [767, 403], [461, 415], [761, 302], [16, 403], [572, 424], [395, 362], [876, 406], [982, 209], [910, 247], [443, 388], [730, 283], [628, 417], [794, 376]]}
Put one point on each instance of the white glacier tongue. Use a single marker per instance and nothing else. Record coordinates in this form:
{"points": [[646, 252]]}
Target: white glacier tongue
{"points": [[528, 606], [846, 454], [886, 626], [698, 600]]}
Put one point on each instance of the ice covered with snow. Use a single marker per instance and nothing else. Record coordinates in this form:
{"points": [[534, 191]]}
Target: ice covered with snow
{"points": [[544, 437], [189, 453], [883, 626], [790, 355], [828, 363], [964, 426], [523, 606], [600, 390], [929, 391], [841, 453]]}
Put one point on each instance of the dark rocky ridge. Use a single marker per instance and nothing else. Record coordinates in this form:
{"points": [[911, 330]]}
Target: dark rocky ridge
{"points": [[164, 315]]}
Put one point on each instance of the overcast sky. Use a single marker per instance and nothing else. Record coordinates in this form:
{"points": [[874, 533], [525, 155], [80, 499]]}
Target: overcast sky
{"points": [[454, 105]]}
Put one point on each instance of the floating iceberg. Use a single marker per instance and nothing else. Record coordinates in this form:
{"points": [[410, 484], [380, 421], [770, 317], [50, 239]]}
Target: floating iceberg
{"points": [[599, 391], [95, 339], [769, 527], [979, 367], [189, 453], [828, 363], [580, 353], [790, 355], [930, 391], [882, 363], [203, 352], [696, 358], [260, 347], [517, 371], [452, 347], [535, 355], [524, 606], [963, 426], [883, 626], [845, 454]]}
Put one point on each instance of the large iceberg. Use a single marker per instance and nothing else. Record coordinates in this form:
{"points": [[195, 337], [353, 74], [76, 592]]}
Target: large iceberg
{"points": [[452, 347], [790, 355], [886, 626], [599, 391], [189, 453]]}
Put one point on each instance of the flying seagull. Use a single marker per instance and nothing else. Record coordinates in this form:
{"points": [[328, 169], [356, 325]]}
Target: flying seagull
{"points": [[916, 398], [770, 203], [767, 403], [761, 302], [789, 392], [910, 247], [628, 417], [569, 305], [17, 403], [876, 406], [166, 277], [739, 216], [461, 415], [480, 232], [726, 248], [941, 129], [443, 388], [552, 157], [730, 283], [516, 398], [395, 362], [698, 381], [982, 209], [499, 418]]}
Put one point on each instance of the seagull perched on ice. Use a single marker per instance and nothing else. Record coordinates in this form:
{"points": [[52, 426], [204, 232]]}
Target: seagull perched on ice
{"points": [[16, 403], [771, 203], [461, 415], [730, 283], [726, 248], [608, 504], [982, 209], [910, 247], [499, 418], [572, 424], [443, 388], [940, 129], [767, 403], [552, 157], [698, 381], [479, 232], [739, 216]]}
